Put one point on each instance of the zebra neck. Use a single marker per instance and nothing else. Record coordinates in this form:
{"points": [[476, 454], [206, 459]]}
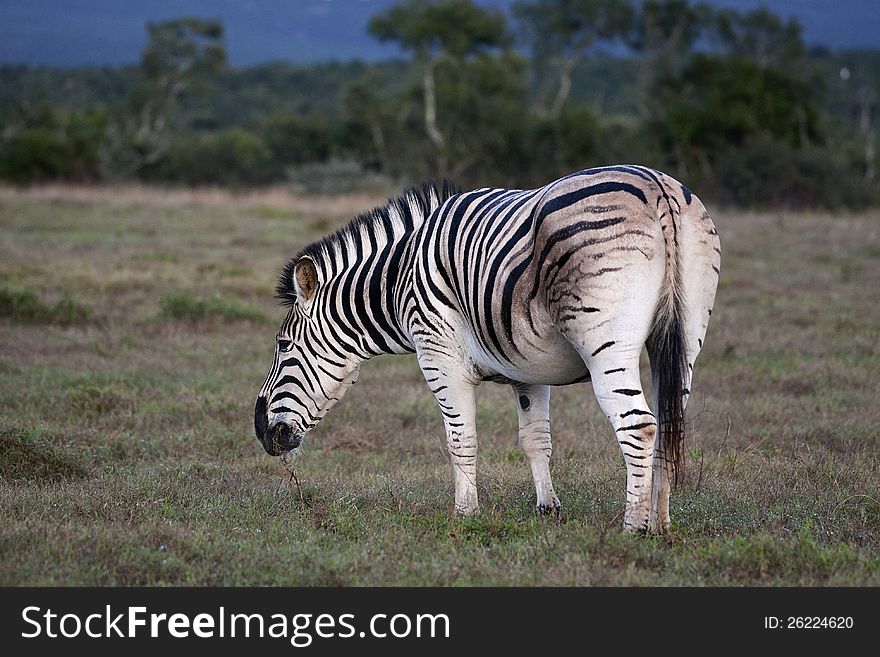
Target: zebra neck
{"points": [[368, 291], [370, 262], [390, 277]]}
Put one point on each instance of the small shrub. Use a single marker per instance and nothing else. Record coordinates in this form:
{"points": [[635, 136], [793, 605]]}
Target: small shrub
{"points": [[24, 306], [21, 305], [183, 306]]}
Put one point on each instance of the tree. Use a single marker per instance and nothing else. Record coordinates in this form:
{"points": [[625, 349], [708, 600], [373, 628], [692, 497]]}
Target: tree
{"points": [[856, 90], [763, 37], [719, 103], [484, 103], [665, 32], [438, 31], [178, 54], [562, 32], [369, 113]]}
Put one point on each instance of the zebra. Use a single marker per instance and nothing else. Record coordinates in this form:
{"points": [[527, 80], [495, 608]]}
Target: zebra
{"points": [[531, 288]]}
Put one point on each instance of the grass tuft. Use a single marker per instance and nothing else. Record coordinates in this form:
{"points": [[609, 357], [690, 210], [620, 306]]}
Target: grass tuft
{"points": [[99, 400], [24, 306], [26, 456]]}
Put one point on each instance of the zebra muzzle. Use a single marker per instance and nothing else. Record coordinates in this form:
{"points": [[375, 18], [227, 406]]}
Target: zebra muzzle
{"points": [[278, 438]]}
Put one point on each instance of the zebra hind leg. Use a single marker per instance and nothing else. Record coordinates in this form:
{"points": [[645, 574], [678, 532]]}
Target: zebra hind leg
{"points": [[533, 407], [664, 471], [700, 269], [618, 390], [664, 467]]}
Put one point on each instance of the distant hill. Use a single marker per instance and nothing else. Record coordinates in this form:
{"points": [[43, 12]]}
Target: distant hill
{"points": [[80, 33]]}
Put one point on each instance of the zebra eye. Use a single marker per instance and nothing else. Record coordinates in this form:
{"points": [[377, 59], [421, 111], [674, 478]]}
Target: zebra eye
{"points": [[284, 345]]}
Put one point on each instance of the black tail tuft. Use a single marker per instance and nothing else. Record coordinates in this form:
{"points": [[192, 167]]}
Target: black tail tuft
{"points": [[666, 348]]}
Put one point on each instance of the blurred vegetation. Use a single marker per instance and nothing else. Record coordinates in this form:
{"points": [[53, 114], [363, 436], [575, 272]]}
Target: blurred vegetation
{"points": [[183, 306], [732, 102]]}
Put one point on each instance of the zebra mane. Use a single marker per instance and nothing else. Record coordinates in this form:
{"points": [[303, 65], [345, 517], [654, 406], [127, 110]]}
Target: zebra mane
{"points": [[412, 208]]}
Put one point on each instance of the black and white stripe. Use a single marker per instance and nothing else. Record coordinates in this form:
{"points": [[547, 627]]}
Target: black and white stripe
{"points": [[535, 288]]}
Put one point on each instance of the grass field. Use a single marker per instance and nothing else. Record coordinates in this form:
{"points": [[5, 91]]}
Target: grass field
{"points": [[137, 325]]}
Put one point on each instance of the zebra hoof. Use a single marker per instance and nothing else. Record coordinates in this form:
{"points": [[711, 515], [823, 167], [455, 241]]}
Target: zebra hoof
{"points": [[466, 511], [553, 509], [658, 529]]}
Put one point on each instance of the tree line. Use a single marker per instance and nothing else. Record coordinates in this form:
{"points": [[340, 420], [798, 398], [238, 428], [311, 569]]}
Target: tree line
{"points": [[733, 102]]}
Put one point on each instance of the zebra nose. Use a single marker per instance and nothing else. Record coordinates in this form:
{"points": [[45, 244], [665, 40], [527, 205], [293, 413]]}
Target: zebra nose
{"points": [[280, 439], [261, 419]]}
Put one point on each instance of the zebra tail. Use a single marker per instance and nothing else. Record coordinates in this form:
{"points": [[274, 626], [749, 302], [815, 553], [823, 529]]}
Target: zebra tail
{"points": [[667, 351]]}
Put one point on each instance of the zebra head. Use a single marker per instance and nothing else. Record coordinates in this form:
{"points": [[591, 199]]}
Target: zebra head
{"points": [[308, 374]]}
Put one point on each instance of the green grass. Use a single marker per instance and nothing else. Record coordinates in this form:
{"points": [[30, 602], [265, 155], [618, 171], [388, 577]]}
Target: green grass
{"points": [[26, 457], [127, 454]]}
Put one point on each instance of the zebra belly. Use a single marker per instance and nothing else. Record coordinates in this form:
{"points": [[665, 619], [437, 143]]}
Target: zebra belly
{"points": [[550, 361]]}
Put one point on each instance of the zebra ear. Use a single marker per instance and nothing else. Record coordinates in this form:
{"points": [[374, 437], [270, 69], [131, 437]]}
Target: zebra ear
{"points": [[305, 277]]}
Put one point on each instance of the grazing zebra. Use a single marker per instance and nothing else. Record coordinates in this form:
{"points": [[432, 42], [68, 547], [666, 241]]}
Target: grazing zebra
{"points": [[532, 288]]}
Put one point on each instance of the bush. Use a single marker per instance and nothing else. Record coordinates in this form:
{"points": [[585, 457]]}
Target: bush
{"points": [[230, 157], [24, 306], [295, 140], [52, 145], [767, 172], [717, 103]]}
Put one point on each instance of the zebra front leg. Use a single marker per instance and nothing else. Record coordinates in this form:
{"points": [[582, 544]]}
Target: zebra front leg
{"points": [[456, 398], [459, 411], [533, 406]]}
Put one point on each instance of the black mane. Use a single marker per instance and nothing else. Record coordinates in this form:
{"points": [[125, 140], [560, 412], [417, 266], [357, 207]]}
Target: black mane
{"points": [[422, 195]]}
